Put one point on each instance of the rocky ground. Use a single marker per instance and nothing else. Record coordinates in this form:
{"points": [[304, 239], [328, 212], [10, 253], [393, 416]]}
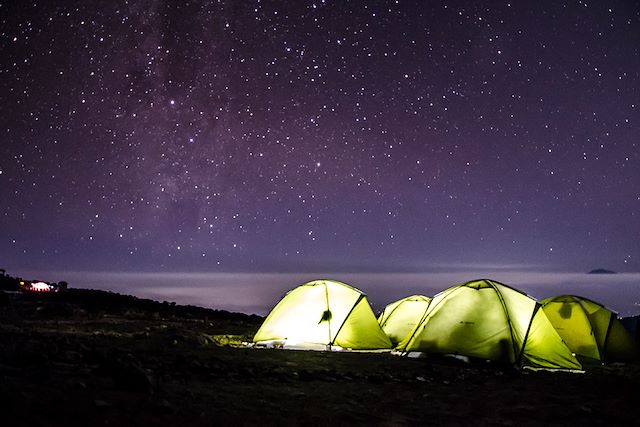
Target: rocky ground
{"points": [[94, 358]]}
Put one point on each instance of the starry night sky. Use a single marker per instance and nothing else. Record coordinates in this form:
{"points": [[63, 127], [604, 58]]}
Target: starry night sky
{"points": [[296, 136]]}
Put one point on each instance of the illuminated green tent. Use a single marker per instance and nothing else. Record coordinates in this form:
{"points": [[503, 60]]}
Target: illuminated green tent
{"points": [[322, 315], [487, 320], [400, 317], [589, 329]]}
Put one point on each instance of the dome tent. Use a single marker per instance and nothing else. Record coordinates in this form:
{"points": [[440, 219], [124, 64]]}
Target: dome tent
{"points": [[589, 329], [488, 320], [400, 317], [322, 315]]}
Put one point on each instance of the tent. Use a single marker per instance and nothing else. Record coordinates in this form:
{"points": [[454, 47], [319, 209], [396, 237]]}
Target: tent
{"points": [[589, 329], [322, 315], [484, 319], [400, 317], [632, 325]]}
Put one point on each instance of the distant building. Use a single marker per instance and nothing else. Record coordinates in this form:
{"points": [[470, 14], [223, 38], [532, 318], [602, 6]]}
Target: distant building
{"points": [[12, 284], [40, 286]]}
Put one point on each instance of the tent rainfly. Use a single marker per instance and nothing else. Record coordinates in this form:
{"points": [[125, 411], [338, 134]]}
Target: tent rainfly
{"points": [[400, 317], [590, 330], [322, 315], [488, 320], [632, 325]]}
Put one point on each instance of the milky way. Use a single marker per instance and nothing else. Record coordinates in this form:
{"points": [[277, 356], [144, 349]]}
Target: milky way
{"points": [[306, 136]]}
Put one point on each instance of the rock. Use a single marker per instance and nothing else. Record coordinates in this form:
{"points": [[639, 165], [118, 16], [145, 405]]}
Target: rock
{"points": [[375, 379], [102, 403], [4, 299], [134, 378], [167, 407], [587, 409], [127, 374]]}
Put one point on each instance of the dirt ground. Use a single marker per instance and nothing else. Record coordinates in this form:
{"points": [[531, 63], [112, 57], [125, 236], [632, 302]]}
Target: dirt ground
{"points": [[92, 358]]}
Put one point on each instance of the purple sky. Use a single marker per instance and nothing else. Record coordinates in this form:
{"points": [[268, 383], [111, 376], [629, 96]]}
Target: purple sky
{"points": [[353, 136]]}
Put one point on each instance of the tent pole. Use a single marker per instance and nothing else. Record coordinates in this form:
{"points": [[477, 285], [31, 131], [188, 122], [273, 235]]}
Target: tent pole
{"points": [[526, 335], [603, 356], [326, 295], [506, 312], [424, 317], [360, 298]]}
